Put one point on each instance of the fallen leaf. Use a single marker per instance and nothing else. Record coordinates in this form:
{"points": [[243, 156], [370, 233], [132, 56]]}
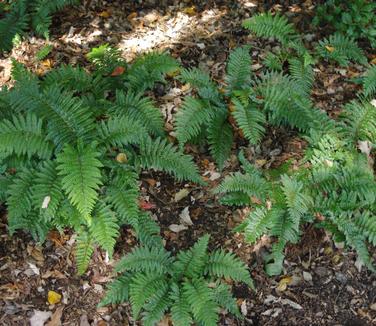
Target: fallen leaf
{"points": [[33, 270], [243, 308], [104, 14], [190, 10], [373, 61], [132, 16], [46, 201], [184, 217], [39, 317], [307, 276], [151, 182], [282, 285], [84, 321], [177, 228], [119, 70], [56, 317], [165, 321], [53, 297], [329, 48], [146, 205], [214, 176], [291, 304], [181, 194]]}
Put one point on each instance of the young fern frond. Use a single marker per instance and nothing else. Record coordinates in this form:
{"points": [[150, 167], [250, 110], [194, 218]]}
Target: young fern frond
{"points": [[117, 291], [180, 309]]}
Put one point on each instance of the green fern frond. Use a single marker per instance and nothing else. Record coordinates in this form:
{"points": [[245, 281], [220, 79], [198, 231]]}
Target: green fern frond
{"points": [[104, 228], [146, 260], [160, 155], [220, 138], [340, 48], [257, 224], [81, 176], [223, 296], [238, 73], [366, 222], [140, 108], [359, 120], [191, 263], [24, 135], [46, 191], [156, 306], [84, 251], [201, 300], [180, 309], [266, 25], [142, 289], [117, 291], [250, 120], [227, 265], [302, 74], [192, 116], [369, 81]]}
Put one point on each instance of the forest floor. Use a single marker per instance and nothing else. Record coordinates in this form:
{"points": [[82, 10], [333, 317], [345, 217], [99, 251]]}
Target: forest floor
{"points": [[322, 283]]}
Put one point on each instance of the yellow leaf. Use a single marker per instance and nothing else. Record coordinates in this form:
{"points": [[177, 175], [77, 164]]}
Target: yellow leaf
{"points": [[373, 61], [329, 48], [104, 14], [190, 11], [47, 63], [282, 285], [53, 297]]}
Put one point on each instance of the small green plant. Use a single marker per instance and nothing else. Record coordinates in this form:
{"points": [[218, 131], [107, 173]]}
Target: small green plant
{"points": [[275, 98], [336, 186], [72, 145], [191, 286], [337, 47], [355, 18], [44, 52], [21, 15]]}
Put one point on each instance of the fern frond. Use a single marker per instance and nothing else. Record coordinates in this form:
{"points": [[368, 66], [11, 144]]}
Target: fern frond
{"points": [[84, 251], [146, 260], [24, 135], [257, 224], [191, 263], [220, 138], [238, 74], [192, 116], [369, 81], [117, 291], [201, 300], [366, 222], [160, 155], [156, 306], [140, 108], [80, 169], [142, 288], [266, 25], [104, 228], [250, 120], [340, 48], [46, 191], [180, 309], [227, 265], [359, 121], [302, 74], [223, 296]]}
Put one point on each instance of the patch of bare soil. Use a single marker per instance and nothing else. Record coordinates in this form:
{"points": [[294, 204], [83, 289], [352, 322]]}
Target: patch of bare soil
{"points": [[322, 284]]}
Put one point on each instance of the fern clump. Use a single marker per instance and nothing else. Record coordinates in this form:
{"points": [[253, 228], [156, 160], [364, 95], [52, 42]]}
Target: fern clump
{"points": [[25, 14], [72, 145], [190, 286], [341, 49], [280, 207]]}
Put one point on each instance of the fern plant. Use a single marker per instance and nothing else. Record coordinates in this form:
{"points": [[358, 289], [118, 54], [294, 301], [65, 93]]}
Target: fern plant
{"points": [[71, 149], [25, 14], [337, 47], [275, 98], [279, 205], [191, 286]]}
